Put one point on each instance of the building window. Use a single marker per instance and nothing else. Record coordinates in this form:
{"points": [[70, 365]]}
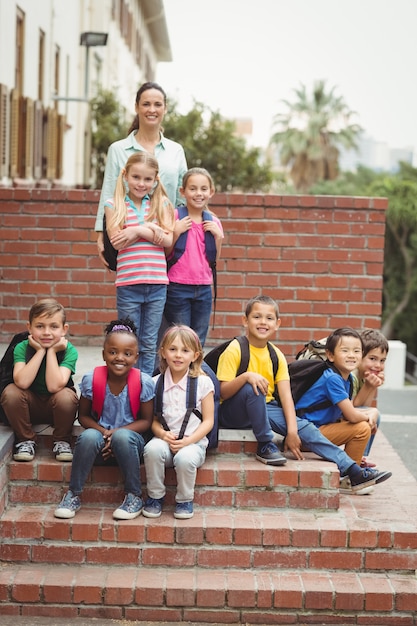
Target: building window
{"points": [[20, 40], [56, 73], [41, 64]]}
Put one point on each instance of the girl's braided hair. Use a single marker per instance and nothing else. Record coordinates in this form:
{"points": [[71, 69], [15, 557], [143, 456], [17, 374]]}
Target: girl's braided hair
{"points": [[120, 326]]}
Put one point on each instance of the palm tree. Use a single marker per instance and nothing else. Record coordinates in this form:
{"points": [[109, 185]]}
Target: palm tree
{"points": [[309, 133]]}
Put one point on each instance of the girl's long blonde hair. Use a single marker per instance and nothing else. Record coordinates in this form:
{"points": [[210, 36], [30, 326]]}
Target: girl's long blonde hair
{"points": [[190, 340], [161, 209]]}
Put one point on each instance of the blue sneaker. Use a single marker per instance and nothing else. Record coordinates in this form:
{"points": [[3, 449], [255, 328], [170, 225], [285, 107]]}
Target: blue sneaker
{"points": [[269, 454], [153, 507], [184, 510], [368, 477], [68, 506], [130, 508]]}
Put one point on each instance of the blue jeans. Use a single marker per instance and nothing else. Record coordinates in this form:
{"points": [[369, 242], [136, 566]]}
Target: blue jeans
{"points": [[310, 436], [144, 304], [189, 305], [246, 410], [126, 445]]}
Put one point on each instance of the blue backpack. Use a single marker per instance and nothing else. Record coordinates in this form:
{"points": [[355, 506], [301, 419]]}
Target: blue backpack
{"points": [[213, 435]]}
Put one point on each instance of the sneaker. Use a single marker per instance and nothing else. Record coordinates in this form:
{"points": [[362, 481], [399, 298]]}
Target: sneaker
{"points": [[184, 510], [62, 451], [68, 506], [153, 507], [368, 477], [268, 453], [346, 487], [25, 451], [130, 508]]}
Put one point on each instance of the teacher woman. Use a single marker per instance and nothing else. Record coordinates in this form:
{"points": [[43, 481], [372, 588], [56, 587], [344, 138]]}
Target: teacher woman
{"points": [[144, 134]]}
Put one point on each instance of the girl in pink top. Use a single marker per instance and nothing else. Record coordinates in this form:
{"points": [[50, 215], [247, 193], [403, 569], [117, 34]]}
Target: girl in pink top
{"points": [[140, 223], [189, 295]]}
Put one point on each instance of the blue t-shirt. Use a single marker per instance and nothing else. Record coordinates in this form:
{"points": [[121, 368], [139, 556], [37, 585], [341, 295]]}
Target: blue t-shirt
{"points": [[116, 409], [330, 386]]}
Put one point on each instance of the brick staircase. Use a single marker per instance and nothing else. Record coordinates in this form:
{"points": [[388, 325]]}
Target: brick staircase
{"points": [[265, 546]]}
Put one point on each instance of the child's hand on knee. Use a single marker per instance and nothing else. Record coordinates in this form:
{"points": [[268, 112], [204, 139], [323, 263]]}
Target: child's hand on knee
{"points": [[258, 382]]}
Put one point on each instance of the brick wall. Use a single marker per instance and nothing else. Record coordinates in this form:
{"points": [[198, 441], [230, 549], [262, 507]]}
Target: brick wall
{"points": [[320, 257]]}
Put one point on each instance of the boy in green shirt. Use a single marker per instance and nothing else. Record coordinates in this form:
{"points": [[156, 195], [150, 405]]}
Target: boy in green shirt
{"points": [[42, 389]]}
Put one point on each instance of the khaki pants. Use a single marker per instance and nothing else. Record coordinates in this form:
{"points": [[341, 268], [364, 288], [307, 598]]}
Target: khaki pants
{"points": [[24, 408], [354, 437]]}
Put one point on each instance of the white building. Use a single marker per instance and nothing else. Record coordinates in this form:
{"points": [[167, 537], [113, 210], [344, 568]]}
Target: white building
{"points": [[48, 71], [377, 155]]}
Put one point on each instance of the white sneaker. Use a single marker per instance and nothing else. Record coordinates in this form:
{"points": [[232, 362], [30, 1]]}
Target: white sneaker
{"points": [[62, 451], [25, 451], [346, 487], [130, 508]]}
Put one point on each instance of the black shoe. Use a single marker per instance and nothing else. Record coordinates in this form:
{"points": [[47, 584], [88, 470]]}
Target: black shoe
{"points": [[268, 453], [368, 477]]}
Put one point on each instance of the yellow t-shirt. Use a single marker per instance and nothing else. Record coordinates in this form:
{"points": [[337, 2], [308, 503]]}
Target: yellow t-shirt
{"points": [[259, 362]]}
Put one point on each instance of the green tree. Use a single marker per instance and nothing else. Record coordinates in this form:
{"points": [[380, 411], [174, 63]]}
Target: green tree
{"points": [[400, 253], [109, 124], [210, 141], [309, 133]]}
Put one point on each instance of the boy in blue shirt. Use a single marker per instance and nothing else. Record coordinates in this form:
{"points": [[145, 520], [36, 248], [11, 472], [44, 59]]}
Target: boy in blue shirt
{"points": [[341, 422]]}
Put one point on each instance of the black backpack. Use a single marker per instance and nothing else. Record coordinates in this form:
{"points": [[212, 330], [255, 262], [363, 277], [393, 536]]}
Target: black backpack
{"points": [[213, 435], [212, 357], [110, 253], [7, 364], [303, 374]]}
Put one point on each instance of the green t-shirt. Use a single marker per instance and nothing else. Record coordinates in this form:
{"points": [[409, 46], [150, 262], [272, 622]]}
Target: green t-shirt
{"points": [[39, 386]]}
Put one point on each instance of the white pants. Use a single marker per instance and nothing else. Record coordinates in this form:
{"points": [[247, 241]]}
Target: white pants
{"points": [[157, 456]]}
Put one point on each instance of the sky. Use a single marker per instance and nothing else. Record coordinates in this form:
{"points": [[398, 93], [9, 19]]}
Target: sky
{"points": [[243, 57]]}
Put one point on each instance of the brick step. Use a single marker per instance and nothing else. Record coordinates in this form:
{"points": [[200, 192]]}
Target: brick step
{"points": [[225, 480], [213, 538], [268, 596]]}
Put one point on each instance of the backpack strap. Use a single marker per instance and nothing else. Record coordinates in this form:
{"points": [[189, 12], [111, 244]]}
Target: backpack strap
{"points": [[192, 383], [134, 387], [180, 244], [99, 389], [211, 255], [245, 355], [157, 405], [274, 359]]}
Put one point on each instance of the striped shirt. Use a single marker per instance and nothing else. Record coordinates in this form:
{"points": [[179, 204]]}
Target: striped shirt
{"points": [[142, 262]]}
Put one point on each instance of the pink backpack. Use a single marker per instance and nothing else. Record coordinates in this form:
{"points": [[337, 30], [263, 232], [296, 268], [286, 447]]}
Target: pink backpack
{"points": [[99, 390]]}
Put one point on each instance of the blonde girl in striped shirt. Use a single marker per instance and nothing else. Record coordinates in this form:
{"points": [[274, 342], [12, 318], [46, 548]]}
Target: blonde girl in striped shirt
{"points": [[140, 224]]}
